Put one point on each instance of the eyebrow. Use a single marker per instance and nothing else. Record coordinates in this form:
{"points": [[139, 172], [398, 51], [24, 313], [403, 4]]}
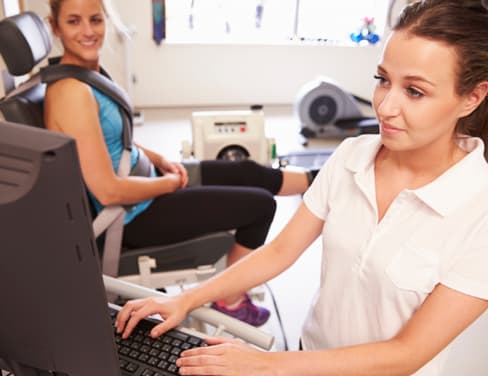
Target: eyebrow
{"points": [[79, 15], [410, 77]]}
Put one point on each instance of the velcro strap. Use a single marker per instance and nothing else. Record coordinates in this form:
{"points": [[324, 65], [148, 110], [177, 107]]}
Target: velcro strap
{"points": [[194, 172], [143, 165]]}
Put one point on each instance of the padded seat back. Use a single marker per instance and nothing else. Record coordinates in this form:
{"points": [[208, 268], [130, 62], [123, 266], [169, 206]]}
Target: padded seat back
{"points": [[24, 42], [26, 107]]}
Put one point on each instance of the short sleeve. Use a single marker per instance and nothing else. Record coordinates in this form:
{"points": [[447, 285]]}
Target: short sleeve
{"points": [[467, 272], [317, 196]]}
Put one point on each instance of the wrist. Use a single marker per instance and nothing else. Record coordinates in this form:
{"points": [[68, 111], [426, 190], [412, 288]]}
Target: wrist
{"points": [[171, 182], [159, 162], [188, 301]]}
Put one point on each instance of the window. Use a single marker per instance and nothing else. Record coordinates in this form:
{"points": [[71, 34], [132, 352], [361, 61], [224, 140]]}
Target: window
{"points": [[11, 7], [270, 21]]}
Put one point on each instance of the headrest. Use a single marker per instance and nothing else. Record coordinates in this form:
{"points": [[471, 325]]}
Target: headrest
{"points": [[24, 42]]}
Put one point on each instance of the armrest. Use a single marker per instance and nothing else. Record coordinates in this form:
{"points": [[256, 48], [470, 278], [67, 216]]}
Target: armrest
{"points": [[233, 326]]}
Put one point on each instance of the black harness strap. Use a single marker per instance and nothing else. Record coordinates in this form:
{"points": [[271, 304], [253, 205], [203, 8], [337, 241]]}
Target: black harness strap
{"points": [[99, 81], [102, 82]]}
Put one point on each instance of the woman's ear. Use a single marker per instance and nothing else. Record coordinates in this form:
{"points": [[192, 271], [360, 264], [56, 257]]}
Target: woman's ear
{"points": [[473, 99]]}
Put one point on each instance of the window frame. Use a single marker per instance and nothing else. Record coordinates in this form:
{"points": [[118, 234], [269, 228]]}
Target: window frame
{"points": [[7, 4]]}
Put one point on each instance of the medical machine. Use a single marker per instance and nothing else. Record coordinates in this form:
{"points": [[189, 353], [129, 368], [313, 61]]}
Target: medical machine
{"points": [[230, 135], [325, 110]]}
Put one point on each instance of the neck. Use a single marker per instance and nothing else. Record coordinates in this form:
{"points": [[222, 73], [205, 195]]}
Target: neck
{"points": [[422, 164], [93, 65]]}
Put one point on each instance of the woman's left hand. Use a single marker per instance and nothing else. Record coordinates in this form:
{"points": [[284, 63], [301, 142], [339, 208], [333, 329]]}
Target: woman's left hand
{"points": [[166, 166], [223, 356]]}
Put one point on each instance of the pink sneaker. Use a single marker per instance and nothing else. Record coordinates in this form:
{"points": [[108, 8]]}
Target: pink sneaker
{"points": [[246, 311]]}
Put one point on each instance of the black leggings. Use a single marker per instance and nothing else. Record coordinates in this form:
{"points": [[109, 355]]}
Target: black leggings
{"points": [[233, 196]]}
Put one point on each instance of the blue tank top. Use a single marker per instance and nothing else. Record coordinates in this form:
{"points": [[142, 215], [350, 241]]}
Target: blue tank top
{"points": [[111, 122]]}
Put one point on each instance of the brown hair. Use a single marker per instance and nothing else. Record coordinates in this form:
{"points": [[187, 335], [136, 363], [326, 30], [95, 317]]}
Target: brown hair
{"points": [[55, 5], [107, 6], [462, 24]]}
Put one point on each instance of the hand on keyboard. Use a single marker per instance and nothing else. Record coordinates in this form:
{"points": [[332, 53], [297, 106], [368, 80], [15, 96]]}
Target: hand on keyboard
{"points": [[172, 309], [142, 355], [224, 356]]}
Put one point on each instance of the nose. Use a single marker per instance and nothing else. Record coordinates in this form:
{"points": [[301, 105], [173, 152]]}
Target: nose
{"points": [[388, 103], [87, 28]]}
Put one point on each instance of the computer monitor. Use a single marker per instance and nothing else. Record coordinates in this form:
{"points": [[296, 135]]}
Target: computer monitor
{"points": [[54, 312]]}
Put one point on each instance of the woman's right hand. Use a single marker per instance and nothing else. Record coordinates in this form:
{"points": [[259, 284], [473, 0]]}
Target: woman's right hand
{"points": [[172, 310]]}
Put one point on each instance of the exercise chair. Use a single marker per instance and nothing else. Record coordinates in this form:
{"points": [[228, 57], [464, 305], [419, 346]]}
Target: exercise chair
{"points": [[24, 43]]}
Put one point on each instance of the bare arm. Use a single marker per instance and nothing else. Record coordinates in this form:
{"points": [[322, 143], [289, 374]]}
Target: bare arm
{"points": [[441, 318], [71, 108], [258, 267]]}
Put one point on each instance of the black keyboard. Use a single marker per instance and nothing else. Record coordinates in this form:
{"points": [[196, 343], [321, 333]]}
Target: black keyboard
{"points": [[141, 355]]}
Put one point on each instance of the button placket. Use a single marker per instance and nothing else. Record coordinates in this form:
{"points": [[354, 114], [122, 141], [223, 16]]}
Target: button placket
{"points": [[391, 214]]}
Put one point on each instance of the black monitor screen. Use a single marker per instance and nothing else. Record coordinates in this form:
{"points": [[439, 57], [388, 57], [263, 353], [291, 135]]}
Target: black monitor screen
{"points": [[54, 310]]}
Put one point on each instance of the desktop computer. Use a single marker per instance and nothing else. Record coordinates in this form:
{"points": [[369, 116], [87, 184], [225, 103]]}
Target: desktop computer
{"points": [[54, 317]]}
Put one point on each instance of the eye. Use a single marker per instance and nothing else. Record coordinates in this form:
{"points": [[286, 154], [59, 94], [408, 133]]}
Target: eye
{"points": [[414, 93], [381, 80], [97, 20], [72, 21]]}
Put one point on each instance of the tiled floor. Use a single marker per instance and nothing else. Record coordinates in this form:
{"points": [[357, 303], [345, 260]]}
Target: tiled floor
{"points": [[164, 130]]}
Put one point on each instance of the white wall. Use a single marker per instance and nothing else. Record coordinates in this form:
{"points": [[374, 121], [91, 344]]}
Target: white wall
{"points": [[468, 354], [217, 74]]}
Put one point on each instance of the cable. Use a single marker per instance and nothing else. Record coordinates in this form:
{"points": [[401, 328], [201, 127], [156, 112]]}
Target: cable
{"points": [[362, 100], [278, 316]]}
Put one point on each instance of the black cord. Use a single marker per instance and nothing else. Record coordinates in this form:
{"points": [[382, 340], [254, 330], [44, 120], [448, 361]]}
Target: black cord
{"points": [[362, 100], [278, 316]]}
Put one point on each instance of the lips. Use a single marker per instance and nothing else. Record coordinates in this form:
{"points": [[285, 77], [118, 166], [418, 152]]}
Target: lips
{"points": [[390, 128]]}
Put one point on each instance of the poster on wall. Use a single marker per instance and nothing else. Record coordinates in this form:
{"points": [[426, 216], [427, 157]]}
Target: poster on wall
{"points": [[158, 21]]}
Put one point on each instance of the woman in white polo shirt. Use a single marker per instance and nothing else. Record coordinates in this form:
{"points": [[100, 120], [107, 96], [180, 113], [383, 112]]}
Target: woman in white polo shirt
{"points": [[403, 217]]}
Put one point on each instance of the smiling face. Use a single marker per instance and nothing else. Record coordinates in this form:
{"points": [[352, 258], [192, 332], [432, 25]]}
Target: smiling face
{"points": [[415, 99], [80, 25]]}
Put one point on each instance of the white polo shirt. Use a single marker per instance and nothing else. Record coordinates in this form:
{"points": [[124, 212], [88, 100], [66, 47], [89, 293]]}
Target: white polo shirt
{"points": [[375, 275]]}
